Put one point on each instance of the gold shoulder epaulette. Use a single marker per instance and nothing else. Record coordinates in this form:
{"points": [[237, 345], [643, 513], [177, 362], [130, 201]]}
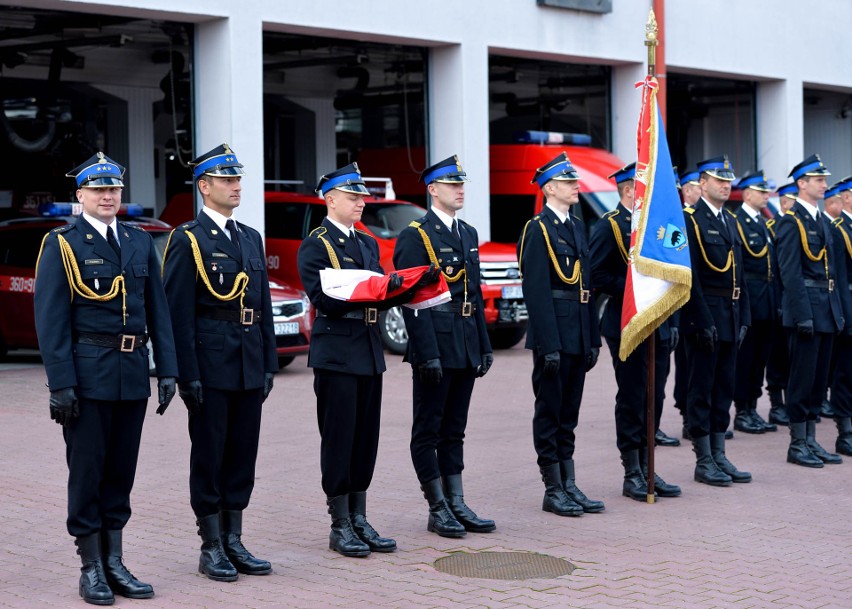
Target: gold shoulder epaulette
{"points": [[318, 231], [689, 210], [790, 212], [187, 225], [770, 223], [837, 222], [62, 229], [134, 226], [537, 217], [611, 214], [415, 223], [732, 214]]}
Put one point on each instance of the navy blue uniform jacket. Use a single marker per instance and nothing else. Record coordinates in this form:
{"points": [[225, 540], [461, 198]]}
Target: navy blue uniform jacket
{"points": [[704, 310], [761, 267], [459, 342], [101, 373], [557, 324], [800, 302], [223, 354]]}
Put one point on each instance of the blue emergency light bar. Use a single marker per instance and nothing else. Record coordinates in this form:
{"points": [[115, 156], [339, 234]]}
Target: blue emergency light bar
{"points": [[553, 137], [75, 209]]}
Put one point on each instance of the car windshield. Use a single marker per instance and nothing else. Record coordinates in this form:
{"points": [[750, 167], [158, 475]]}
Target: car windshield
{"points": [[603, 201], [386, 220]]}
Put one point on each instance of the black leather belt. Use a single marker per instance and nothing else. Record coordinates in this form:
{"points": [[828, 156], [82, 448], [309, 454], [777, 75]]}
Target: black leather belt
{"points": [[733, 294], [123, 342], [465, 309], [580, 295], [764, 277], [370, 315], [820, 284], [245, 317]]}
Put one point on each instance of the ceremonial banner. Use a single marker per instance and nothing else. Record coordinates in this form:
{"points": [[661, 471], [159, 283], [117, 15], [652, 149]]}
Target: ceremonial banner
{"points": [[359, 285], [659, 274]]}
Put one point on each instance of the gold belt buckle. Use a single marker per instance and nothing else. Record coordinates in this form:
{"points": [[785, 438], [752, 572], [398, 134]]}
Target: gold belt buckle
{"points": [[128, 342], [584, 296], [831, 285], [467, 309], [736, 294], [246, 317], [371, 315]]}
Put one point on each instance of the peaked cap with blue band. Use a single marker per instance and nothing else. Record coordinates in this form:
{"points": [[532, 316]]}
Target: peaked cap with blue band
{"points": [[628, 172], [788, 190], [839, 187], [347, 179], [811, 166], [558, 168], [718, 167], [690, 177], [221, 162], [100, 171], [448, 171], [754, 180]]}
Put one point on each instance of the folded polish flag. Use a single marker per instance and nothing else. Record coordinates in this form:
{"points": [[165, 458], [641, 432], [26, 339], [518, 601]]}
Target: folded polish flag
{"points": [[359, 285]]}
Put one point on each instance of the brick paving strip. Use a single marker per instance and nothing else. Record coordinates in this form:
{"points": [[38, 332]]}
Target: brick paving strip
{"points": [[784, 540]]}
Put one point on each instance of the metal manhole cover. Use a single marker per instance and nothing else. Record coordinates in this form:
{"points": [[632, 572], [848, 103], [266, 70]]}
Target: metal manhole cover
{"points": [[504, 565]]}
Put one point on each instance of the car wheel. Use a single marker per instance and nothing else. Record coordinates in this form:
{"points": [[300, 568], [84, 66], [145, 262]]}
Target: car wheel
{"points": [[283, 362], [393, 332], [506, 338]]}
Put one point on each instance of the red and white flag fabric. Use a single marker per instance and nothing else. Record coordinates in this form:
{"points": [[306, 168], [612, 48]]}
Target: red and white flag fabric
{"points": [[359, 285], [659, 273]]}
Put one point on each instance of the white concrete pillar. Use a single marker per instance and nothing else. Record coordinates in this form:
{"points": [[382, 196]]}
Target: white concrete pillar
{"points": [[458, 123], [229, 99], [780, 124], [626, 104]]}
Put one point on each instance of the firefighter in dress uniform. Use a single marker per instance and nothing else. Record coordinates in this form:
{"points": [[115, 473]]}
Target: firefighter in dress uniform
{"points": [[98, 297], [563, 333], [214, 271]]}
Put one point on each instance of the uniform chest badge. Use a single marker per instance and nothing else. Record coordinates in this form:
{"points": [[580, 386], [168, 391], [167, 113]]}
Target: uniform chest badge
{"points": [[449, 270], [214, 232]]}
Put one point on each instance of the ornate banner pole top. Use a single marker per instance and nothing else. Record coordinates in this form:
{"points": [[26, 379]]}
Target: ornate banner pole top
{"points": [[651, 42]]}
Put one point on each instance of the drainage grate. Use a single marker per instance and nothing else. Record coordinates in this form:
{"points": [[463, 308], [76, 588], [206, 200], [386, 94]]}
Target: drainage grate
{"points": [[504, 565]]}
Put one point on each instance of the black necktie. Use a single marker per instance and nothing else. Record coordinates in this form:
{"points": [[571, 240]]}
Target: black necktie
{"points": [[232, 228], [455, 230], [722, 218], [356, 252], [113, 242]]}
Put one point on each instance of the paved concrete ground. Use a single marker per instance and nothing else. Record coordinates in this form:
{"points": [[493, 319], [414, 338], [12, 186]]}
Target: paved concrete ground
{"points": [[782, 541]]}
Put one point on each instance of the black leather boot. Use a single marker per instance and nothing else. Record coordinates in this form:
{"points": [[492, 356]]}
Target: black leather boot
{"points": [[844, 436], [818, 451], [454, 494], [242, 559], [94, 588], [441, 519], [556, 500], [706, 470], [661, 438], [661, 487], [120, 580], [363, 529], [634, 483], [717, 451], [214, 563], [777, 409], [798, 452], [826, 409], [590, 506], [685, 430], [342, 538], [744, 421]]}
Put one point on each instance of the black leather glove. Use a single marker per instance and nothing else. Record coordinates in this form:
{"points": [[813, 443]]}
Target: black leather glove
{"points": [[485, 366], [430, 371], [674, 338], [592, 358], [394, 282], [192, 395], [551, 364], [707, 339], [429, 277], [741, 336], [805, 329], [63, 405], [165, 392], [268, 379]]}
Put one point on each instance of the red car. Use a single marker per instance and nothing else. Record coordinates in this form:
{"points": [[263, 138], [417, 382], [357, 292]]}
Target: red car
{"points": [[20, 240]]}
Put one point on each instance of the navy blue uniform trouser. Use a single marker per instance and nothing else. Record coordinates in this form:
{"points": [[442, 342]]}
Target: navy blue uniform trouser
{"points": [[631, 377], [224, 434], [349, 410], [557, 407], [711, 386], [681, 376], [841, 383], [809, 364], [752, 359], [102, 449], [778, 366], [440, 420]]}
